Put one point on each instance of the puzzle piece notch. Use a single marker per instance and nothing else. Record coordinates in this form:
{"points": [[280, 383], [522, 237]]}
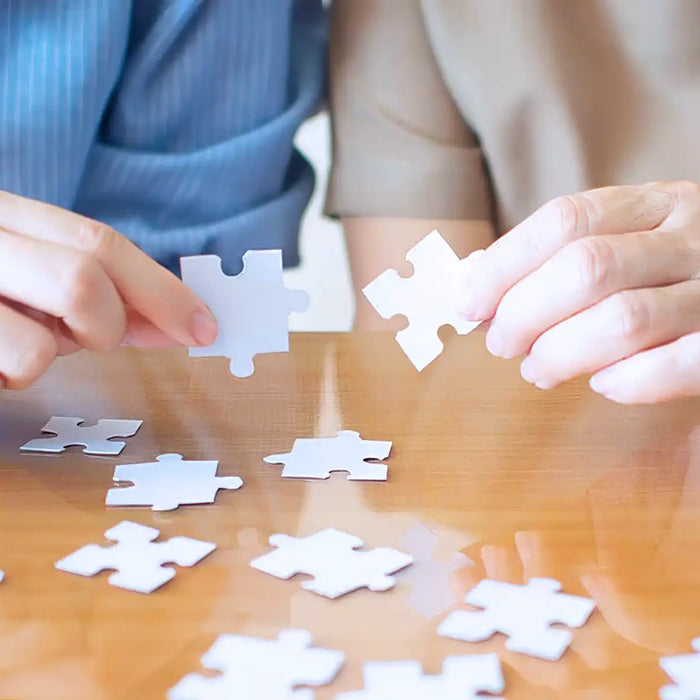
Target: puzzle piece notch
{"points": [[330, 556], [316, 458], [684, 671], [259, 668], [169, 482], [96, 439], [522, 612], [429, 577], [251, 309], [428, 299], [462, 678], [136, 558]]}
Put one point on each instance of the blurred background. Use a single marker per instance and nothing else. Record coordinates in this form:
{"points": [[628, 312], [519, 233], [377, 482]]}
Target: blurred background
{"points": [[324, 272]]}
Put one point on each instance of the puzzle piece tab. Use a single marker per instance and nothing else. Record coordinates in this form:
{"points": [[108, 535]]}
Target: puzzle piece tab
{"points": [[524, 613], [316, 458], [168, 483], [251, 308], [684, 671], [253, 669], [330, 557], [95, 438], [463, 678], [428, 299], [138, 560]]}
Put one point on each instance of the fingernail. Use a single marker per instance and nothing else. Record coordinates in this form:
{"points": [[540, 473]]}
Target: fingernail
{"points": [[494, 342], [599, 384], [528, 370], [467, 304], [204, 328]]}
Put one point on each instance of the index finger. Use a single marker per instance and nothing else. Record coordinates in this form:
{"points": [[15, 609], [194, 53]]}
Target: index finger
{"points": [[605, 211], [145, 285]]}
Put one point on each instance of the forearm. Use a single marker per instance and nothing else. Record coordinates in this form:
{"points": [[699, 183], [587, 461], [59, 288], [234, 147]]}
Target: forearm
{"points": [[375, 244]]}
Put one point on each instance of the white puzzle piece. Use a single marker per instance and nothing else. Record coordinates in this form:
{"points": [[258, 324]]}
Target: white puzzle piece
{"points": [[523, 613], [428, 299], [251, 308], [429, 577], [330, 557], [168, 483], [462, 678], [684, 671], [2, 576], [137, 560], [316, 458], [95, 438], [260, 669]]}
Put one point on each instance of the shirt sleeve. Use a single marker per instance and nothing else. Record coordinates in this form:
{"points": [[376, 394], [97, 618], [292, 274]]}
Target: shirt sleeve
{"points": [[401, 148]]}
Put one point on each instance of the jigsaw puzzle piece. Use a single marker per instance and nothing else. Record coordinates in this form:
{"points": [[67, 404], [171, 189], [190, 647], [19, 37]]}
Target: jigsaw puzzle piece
{"points": [[258, 668], [316, 458], [463, 678], [428, 299], [523, 613], [684, 671], [136, 559], [252, 308], [96, 439], [169, 483], [330, 556]]}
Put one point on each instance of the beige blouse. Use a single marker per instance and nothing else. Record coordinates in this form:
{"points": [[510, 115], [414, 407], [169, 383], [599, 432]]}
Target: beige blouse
{"points": [[473, 109]]}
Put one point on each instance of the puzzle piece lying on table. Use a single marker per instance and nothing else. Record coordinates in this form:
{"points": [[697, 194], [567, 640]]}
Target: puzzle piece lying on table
{"points": [[168, 483], [428, 299], [684, 671], [257, 669], [251, 308], [330, 557], [138, 560], [463, 678], [316, 458], [524, 613], [95, 438]]}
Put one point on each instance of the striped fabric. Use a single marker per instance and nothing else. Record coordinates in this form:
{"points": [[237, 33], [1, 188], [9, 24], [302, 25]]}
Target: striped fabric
{"points": [[172, 120]]}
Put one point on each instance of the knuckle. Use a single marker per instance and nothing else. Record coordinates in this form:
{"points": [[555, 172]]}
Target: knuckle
{"points": [[80, 284], [34, 360], [97, 238], [594, 262], [632, 315], [574, 215]]}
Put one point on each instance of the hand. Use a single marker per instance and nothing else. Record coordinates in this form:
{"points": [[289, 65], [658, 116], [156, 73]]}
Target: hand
{"points": [[67, 282], [602, 282]]}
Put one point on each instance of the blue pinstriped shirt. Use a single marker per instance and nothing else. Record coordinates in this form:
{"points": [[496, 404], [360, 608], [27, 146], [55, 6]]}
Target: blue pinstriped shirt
{"points": [[171, 120]]}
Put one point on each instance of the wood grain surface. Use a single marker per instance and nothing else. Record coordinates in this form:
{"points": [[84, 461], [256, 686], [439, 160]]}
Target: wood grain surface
{"points": [[524, 483]]}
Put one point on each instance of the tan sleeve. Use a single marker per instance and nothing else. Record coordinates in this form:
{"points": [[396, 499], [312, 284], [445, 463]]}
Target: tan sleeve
{"points": [[400, 146]]}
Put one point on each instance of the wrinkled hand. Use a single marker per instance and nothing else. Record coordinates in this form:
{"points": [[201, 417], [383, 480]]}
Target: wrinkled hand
{"points": [[67, 282], [602, 282]]}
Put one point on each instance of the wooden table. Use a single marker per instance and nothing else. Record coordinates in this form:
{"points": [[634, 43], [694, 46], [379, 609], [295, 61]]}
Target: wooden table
{"points": [[526, 483]]}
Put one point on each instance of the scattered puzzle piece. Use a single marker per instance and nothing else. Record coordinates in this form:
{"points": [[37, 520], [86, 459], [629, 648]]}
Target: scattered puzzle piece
{"points": [[524, 613], [463, 678], [330, 557], [251, 308], [168, 483], [257, 669], [316, 458], [684, 671], [138, 560], [428, 299], [95, 438], [430, 578], [2, 576]]}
